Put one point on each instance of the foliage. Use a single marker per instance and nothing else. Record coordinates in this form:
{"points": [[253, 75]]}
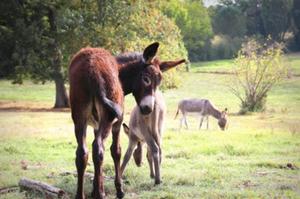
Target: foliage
{"points": [[252, 12], [276, 17], [224, 47], [39, 37], [229, 20], [257, 69], [296, 20], [148, 24], [194, 21]]}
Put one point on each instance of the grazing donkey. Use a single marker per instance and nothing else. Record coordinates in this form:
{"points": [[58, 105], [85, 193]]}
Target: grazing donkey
{"points": [[205, 108], [98, 83], [146, 128]]}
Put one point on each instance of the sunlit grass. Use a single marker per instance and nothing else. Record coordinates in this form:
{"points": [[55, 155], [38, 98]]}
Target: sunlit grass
{"points": [[249, 160]]}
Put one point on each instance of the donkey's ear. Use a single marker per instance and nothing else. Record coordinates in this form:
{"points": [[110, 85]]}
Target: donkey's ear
{"points": [[166, 65], [150, 52], [226, 110], [126, 128]]}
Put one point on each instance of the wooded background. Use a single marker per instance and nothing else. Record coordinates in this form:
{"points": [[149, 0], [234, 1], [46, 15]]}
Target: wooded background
{"points": [[38, 37]]}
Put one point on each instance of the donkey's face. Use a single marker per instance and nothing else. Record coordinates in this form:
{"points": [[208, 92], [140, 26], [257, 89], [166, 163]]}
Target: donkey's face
{"points": [[223, 120], [149, 78], [147, 82]]}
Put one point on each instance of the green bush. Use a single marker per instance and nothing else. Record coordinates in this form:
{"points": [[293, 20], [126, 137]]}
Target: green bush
{"points": [[149, 25], [258, 68], [224, 47]]}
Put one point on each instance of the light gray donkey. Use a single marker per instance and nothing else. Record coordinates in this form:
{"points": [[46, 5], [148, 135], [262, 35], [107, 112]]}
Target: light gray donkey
{"points": [[146, 128], [205, 108]]}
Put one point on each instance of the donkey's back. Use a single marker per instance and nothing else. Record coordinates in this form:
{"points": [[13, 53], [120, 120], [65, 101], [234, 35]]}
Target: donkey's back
{"points": [[94, 85], [195, 105]]}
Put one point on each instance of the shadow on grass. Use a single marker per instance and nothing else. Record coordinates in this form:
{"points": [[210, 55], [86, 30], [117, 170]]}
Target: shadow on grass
{"points": [[31, 109]]}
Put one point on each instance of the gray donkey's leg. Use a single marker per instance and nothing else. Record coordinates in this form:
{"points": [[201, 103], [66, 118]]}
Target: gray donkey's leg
{"points": [[150, 161], [127, 156], [156, 160], [201, 121], [185, 122], [207, 122]]}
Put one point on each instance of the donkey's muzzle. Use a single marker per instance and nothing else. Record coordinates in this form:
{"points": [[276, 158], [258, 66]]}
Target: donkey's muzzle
{"points": [[145, 110]]}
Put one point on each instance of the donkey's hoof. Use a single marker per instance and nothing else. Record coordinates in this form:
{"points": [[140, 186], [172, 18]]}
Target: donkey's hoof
{"points": [[120, 194], [97, 195], [80, 196], [157, 182]]}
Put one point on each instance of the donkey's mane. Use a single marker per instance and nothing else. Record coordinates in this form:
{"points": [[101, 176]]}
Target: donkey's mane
{"points": [[129, 57]]}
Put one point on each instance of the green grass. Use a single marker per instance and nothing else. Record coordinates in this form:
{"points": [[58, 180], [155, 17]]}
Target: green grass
{"points": [[249, 160]]}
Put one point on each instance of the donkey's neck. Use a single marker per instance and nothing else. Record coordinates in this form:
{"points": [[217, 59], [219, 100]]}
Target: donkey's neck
{"points": [[215, 112], [130, 65], [127, 75]]}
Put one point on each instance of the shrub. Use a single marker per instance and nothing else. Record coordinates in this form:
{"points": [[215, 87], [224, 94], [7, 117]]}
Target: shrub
{"points": [[224, 47], [258, 67]]}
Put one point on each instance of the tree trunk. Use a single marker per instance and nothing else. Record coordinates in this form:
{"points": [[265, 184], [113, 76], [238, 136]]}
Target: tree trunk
{"points": [[61, 96]]}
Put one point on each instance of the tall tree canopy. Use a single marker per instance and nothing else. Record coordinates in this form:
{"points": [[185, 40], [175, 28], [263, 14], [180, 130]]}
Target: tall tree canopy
{"points": [[229, 20], [276, 17], [193, 19], [38, 37]]}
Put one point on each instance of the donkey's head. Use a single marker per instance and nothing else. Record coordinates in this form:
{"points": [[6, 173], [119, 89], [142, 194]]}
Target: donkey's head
{"points": [[150, 77], [223, 119]]}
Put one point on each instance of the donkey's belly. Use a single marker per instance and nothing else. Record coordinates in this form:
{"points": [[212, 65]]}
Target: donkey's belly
{"points": [[137, 132]]}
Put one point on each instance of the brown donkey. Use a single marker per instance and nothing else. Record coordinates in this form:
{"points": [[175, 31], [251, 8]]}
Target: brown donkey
{"points": [[98, 83]]}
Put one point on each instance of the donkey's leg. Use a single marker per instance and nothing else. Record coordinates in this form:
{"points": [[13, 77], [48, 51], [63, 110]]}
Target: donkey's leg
{"points": [[155, 155], [201, 121], [207, 121], [138, 154], [185, 122], [98, 156], [115, 150], [127, 156], [150, 161], [180, 123], [81, 157]]}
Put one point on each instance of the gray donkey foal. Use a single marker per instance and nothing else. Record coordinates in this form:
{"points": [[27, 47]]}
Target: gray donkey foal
{"points": [[146, 128]]}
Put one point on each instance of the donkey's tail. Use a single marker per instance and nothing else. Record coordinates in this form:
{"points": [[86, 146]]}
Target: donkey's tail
{"points": [[113, 107], [98, 90]]}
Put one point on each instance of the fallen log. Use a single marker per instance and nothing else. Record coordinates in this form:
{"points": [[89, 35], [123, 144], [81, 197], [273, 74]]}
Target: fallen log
{"points": [[5, 190], [47, 190]]}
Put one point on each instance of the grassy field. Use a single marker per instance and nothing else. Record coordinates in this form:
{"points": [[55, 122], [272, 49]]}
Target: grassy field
{"points": [[249, 160]]}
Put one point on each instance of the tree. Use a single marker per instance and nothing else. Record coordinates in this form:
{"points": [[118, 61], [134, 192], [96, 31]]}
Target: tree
{"points": [[296, 19], [229, 20], [35, 47], [38, 37], [276, 17], [148, 24], [194, 22], [252, 12], [257, 69], [133, 26]]}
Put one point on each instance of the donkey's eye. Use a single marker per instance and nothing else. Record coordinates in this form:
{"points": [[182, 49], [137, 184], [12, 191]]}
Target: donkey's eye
{"points": [[146, 80]]}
